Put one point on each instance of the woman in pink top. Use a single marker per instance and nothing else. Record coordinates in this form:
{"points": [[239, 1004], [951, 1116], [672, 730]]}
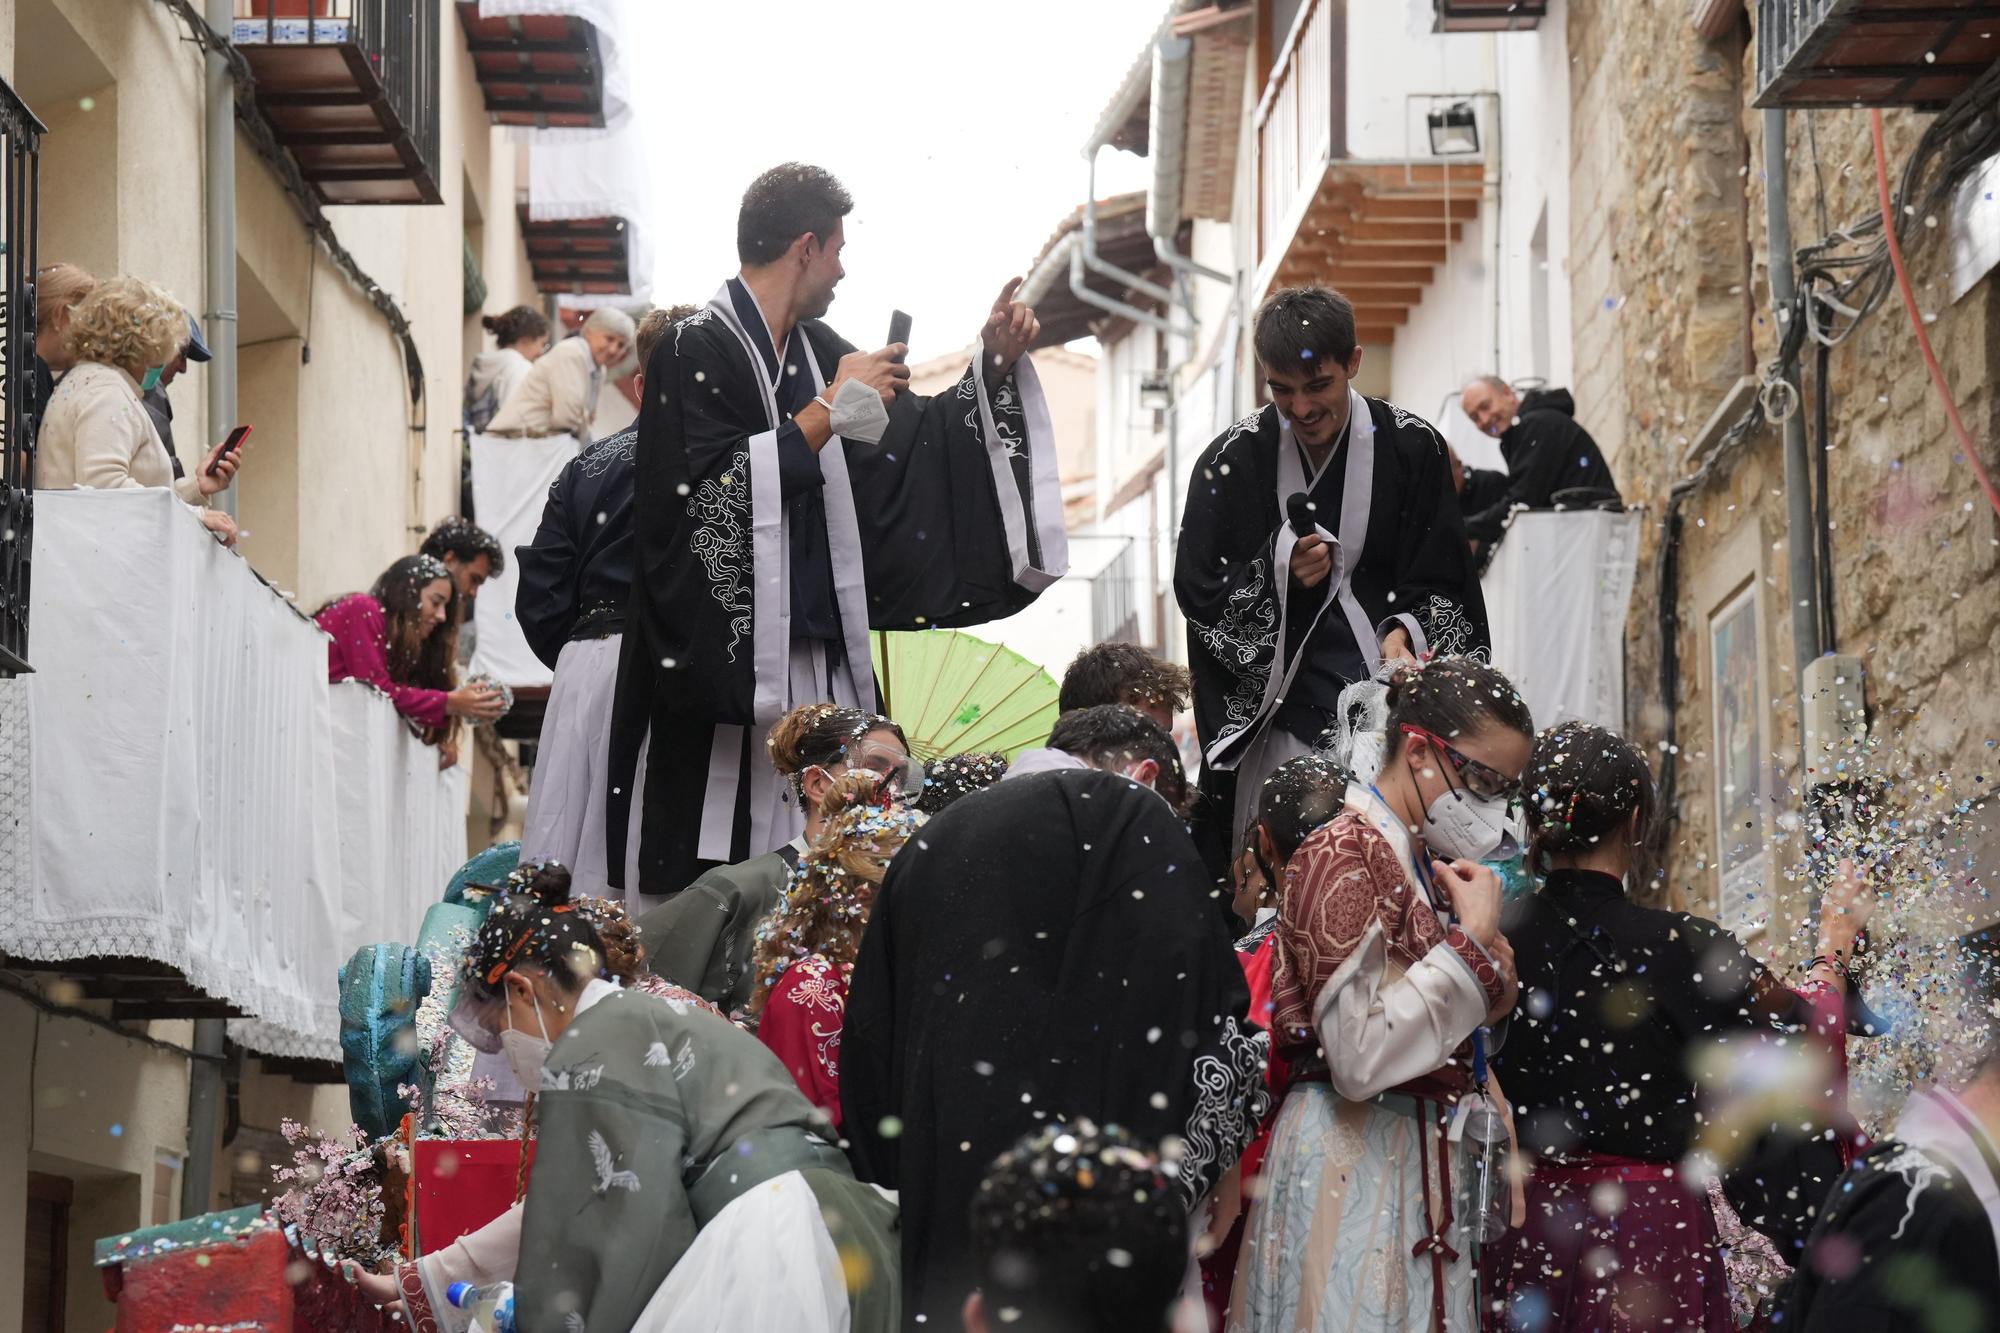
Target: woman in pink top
{"points": [[400, 637]]}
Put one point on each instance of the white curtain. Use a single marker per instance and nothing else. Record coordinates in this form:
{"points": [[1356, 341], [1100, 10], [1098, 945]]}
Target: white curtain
{"points": [[176, 765], [510, 485], [1556, 597]]}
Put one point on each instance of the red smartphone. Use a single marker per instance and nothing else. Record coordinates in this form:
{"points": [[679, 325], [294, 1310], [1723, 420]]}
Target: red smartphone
{"points": [[229, 446]]}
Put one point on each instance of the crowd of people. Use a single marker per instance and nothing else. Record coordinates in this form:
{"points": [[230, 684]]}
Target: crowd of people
{"points": [[816, 1031]]}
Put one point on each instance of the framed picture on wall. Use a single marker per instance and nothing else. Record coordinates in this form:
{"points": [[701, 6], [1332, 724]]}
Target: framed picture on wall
{"points": [[1738, 706]]}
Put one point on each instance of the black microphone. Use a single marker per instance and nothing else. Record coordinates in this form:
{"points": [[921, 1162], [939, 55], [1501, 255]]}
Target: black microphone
{"points": [[1299, 510]]}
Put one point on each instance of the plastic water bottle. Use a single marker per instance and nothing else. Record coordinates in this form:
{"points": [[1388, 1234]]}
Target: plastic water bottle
{"points": [[490, 1308], [1486, 1136]]}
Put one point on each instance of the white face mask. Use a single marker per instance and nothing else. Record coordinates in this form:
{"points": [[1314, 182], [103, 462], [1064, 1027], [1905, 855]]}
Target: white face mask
{"points": [[1461, 826], [527, 1054]]}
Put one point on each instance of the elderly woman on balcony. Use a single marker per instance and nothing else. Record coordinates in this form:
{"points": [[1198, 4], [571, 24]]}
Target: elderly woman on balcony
{"points": [[558, 395], [95, 431], [401, 637]]}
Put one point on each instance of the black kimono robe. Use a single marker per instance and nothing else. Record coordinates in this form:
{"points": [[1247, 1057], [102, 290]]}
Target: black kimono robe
{"points": [[1007, 979], [1547, 453], [1400, 556], [578, 569], [1905, 1241], [953, 518]]}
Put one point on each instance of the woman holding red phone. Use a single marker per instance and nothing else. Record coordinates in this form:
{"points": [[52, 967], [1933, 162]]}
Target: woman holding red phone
{"points": [[95, 432]]}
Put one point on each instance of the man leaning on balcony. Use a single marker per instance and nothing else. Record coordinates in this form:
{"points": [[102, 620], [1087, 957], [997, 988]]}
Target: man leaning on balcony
{"points": [[1321, 537]]}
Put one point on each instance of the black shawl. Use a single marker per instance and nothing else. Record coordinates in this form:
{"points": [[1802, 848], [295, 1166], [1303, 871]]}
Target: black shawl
{"points": [[1412, 565], [1044, 948], [953, 518]]}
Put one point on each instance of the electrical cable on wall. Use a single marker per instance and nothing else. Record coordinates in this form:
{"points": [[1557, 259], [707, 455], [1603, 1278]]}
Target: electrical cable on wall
{"points": [[1842, 279], [1917, 320]]}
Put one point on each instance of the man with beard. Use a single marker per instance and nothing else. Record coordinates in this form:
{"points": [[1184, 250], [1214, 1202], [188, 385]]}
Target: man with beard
{"points": [[792, 495]]}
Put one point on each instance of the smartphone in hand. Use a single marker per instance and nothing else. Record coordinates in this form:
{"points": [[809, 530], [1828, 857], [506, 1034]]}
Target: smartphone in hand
{"points": [[899, 331], [229, 446]]}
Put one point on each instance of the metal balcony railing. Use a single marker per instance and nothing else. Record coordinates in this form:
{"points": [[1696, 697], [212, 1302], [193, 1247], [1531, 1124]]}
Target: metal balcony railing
{"points": [[352, 88], [20, 184], [1839, 53]]}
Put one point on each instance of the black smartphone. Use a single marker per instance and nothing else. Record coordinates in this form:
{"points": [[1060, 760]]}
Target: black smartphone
{"points": [[229, 446], [899, 329]]}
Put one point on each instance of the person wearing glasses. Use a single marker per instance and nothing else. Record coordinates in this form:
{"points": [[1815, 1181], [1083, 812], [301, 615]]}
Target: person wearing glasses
{"points": [[703, 936], [1389, 963]]}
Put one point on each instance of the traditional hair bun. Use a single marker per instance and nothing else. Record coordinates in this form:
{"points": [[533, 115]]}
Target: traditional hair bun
{"points": [[852, 791], [788, 736], [548, 881], [492, 323]]}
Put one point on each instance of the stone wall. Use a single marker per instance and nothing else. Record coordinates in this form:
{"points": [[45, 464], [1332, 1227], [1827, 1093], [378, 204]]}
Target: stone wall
{"points": [[1670, 283]]}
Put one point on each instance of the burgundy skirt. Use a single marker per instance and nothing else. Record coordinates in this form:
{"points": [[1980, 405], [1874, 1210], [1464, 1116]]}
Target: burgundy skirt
{"points": [[1609, 1244]]}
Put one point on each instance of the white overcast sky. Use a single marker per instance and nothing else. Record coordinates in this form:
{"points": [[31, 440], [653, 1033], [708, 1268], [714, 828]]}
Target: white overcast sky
{"points": [[957, 126]]}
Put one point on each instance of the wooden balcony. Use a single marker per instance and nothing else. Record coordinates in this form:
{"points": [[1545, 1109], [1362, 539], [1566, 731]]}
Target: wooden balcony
{"points": [[1841, 53], [351, 87], [580, 257], [1376, 230], [1488, 15], [540, 70]]}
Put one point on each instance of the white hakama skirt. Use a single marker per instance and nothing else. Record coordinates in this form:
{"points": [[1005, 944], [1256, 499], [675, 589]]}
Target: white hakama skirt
{"points": [[571, 779]]}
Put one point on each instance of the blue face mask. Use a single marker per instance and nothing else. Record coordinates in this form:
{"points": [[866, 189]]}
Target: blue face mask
{"points": [[152, 380]]}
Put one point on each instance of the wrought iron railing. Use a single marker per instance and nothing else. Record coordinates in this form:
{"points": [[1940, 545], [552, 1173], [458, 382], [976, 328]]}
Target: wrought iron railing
{"points": [[400, 40], [1782, 28], [20, 179]]}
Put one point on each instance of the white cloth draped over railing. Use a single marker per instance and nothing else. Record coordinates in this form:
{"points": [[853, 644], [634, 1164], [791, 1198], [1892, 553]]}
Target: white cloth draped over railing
{"points": [[184, 785], [605, 177], [1556, 597], [510, 486], [608, 17]]}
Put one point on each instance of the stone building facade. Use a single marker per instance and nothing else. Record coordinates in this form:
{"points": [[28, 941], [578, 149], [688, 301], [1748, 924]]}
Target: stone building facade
{"points": [[1671, 303]]}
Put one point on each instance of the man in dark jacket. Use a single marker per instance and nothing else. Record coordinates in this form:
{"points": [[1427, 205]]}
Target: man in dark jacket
{"points": [[1546, 452]]}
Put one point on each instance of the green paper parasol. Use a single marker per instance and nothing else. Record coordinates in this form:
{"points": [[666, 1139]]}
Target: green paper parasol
{"points": [[952, 693]]}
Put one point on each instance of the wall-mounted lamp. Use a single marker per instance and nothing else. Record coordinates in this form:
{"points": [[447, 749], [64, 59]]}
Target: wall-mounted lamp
{"points": [[1454, 130]]}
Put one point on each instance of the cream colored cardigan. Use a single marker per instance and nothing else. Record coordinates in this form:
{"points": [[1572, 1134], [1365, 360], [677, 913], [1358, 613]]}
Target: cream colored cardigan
{"points": [[96, 433]]}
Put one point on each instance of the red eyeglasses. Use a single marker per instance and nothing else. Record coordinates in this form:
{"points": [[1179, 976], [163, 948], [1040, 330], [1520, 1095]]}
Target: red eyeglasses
{"points": [[1479, 779]]}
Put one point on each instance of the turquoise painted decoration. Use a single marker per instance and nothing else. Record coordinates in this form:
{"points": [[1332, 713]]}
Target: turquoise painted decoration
{"points": [[491, 866], [380, 989]]}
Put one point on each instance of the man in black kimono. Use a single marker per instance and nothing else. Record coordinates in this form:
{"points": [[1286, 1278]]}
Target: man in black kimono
{"points": [[1910, 1236], [1282, 618], [1547, 453], [791, 495], [574, 580]]}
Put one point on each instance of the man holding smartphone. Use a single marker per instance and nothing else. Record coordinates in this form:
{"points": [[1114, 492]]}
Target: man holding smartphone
{"points": [[792, 495]]}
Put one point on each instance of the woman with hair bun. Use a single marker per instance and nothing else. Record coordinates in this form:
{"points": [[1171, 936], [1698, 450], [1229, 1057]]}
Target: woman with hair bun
{"points": [[1614, 999], [522, 335], [657, 1124], [805, 949], [702, 937], [1387, 964]]}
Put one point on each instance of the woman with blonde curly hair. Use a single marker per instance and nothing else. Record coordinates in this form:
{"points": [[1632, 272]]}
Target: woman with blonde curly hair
{"points": [[95, 432], [805, 949]]}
